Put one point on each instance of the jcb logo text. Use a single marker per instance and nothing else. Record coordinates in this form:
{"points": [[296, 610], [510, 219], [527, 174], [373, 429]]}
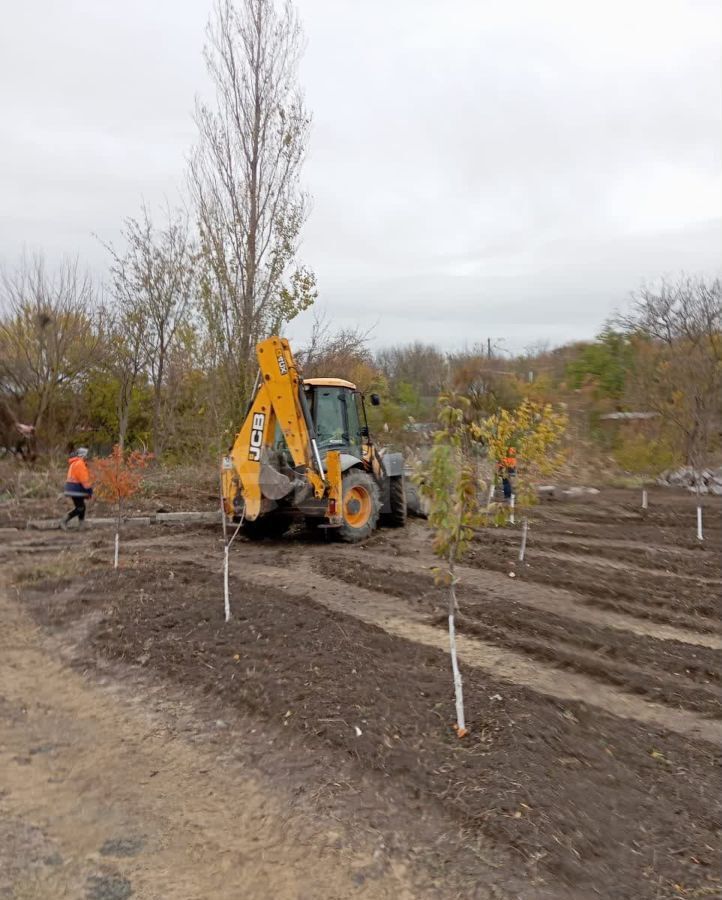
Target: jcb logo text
{"points": [[254, 449]]}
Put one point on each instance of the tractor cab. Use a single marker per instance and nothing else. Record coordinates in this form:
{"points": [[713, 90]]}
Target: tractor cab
{"points": [[338, 415]]}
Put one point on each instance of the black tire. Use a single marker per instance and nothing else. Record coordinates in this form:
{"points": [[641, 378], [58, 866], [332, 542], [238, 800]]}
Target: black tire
{"points": [[268, 526], [396, 517], [359, 490]]}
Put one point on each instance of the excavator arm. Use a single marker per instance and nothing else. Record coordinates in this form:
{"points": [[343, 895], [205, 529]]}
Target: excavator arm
{"points": [[279, 401]]}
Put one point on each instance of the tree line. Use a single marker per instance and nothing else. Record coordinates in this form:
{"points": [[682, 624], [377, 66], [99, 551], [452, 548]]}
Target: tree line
{"points": [[151, 375]]}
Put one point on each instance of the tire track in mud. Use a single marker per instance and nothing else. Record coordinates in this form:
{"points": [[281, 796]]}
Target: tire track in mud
{"points": [[558, 601], [389, 614]]}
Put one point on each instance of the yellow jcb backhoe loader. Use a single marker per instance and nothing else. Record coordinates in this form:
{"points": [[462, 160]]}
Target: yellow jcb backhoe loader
{"points": [[304, 452]]}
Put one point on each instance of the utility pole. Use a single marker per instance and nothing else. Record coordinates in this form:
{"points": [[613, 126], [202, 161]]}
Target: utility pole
{"points": [[488, 348]]}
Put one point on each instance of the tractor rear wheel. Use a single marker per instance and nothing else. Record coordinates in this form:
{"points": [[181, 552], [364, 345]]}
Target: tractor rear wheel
{"points": [[397, 500], [360, 506]]}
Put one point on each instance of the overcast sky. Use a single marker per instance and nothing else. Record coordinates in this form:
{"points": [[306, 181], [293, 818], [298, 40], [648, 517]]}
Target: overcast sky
{"points": [[478, 168]]}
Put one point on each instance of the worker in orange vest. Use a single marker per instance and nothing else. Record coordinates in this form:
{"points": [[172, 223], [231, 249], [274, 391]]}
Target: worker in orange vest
{"points": [[506, 468], [78, 487]]}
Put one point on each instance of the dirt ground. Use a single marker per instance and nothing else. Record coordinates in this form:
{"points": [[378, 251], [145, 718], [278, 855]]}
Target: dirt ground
{"points": [[305, 749]]}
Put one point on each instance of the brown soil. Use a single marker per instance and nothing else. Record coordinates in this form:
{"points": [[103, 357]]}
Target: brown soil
{"points": [[694, 563], [585, 796], [663, 574], [668, 672], [589, 770], [694, 604]]}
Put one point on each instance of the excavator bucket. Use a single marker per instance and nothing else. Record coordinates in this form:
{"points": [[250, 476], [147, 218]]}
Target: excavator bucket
{"points": [[274, 484]]}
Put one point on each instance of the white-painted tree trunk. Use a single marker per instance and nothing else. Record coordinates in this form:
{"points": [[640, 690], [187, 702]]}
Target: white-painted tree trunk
{"points": [[511, 506], [226, 546], [644, 499], [117, 549], [524, 529], [697, 478], [492, 487], [227, 542], [226, 590], [458, 687]]}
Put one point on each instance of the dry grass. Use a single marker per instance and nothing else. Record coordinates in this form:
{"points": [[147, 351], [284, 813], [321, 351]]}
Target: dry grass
{"points": [[62, 567], [33, 492], [20, 482]]}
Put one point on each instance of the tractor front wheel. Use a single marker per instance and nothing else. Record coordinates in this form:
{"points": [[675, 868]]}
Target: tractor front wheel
{"points": [[360, 506]]}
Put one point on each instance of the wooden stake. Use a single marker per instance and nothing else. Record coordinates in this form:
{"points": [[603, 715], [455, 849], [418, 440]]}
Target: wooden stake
{"points": [[644, 498], [511, 504], [700, 536], [117, 550]]}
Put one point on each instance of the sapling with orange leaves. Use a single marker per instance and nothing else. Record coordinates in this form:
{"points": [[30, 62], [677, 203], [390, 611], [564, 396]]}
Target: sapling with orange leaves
{"points": [[450, 482], [117, 477]]}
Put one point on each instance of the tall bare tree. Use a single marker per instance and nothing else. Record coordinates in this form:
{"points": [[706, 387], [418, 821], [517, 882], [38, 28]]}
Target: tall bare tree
{"points": [[154, 283], [124, 357], [676, 328], [244, 177], [48, 333]]}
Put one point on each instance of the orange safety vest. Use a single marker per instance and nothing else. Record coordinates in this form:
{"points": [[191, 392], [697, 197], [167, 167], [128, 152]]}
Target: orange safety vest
{"points": [[507, 462], [78, 472]]}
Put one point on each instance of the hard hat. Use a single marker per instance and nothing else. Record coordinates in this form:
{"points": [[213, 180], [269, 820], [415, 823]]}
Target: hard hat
{"points": [[82, 452]]}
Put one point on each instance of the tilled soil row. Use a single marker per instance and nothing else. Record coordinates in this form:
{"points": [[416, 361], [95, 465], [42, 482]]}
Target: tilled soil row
{"points": [[694, 604], [596, 801], [699, 562], [669, 672], [666, 516], [666, 511], [643, 531]]}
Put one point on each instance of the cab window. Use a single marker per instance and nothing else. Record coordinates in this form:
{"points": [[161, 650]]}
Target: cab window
{"points": [[354, 420], [330, 417]]}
